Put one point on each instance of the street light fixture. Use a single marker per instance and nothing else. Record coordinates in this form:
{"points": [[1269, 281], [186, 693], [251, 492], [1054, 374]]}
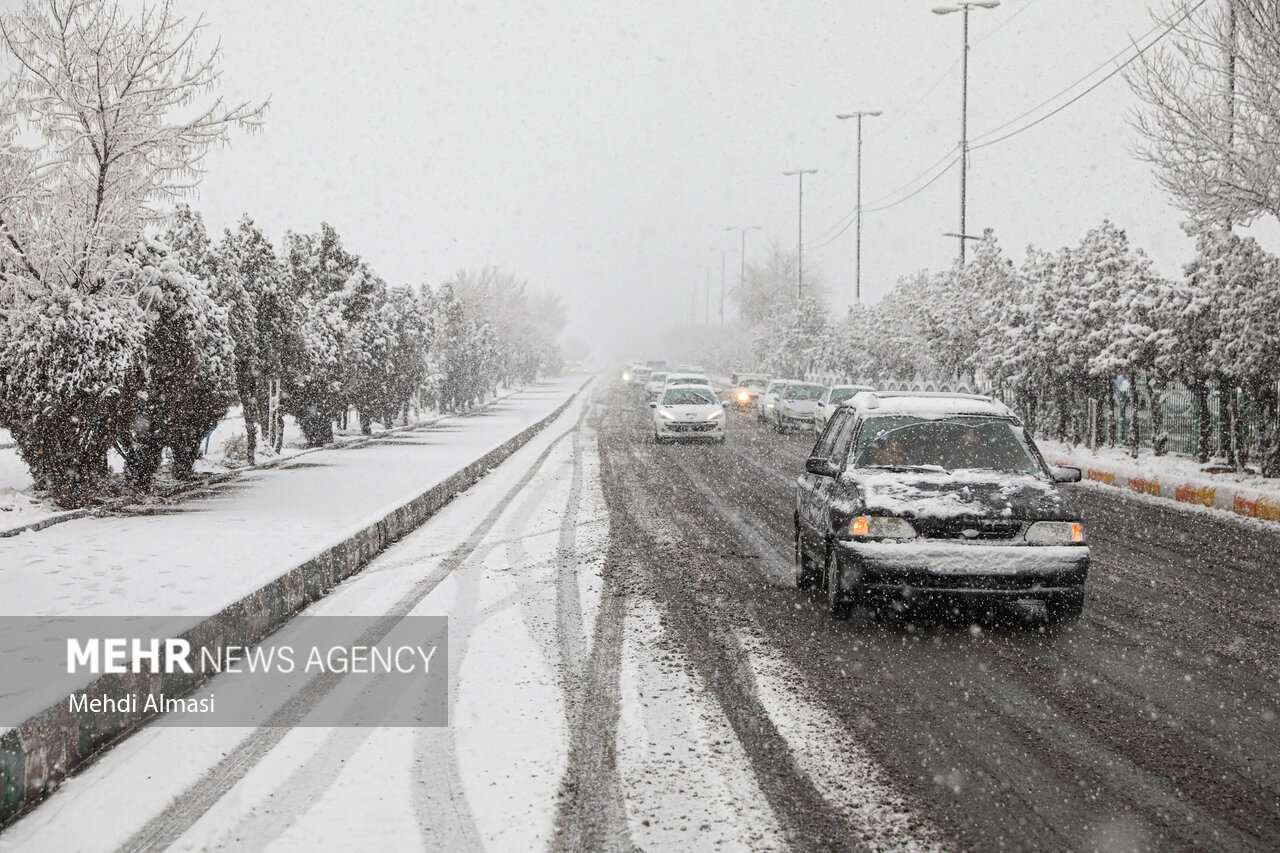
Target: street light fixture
{"points": [[742, 254], [963, 6], [800, 173], [857, 244]]}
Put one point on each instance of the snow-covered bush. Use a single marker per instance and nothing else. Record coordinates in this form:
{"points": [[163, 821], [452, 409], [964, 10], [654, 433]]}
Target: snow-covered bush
{"points": [[72, 374], [188, 360]]}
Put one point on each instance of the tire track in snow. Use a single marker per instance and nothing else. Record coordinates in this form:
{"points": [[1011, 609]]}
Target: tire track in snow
{"points": [[164, 829], [591, 815]]}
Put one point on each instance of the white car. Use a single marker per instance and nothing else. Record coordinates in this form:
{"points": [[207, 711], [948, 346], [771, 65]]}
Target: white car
{"points": [[687, 412], [831, 401], [796, 404], [655, 383], [767, 402]]}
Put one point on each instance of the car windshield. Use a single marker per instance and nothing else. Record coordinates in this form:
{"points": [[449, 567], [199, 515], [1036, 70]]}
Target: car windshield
{"points": [[689, 397], [954, 444], [839, 395], [658, 377], [753, 383], [804, 392]]}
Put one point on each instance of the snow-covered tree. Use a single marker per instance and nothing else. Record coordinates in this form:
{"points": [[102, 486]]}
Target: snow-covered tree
{"points": [[1210, 115], [115, 113]]}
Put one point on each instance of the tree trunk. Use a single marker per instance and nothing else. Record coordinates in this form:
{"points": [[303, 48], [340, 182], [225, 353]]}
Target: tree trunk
{"points": [[1135, 416], [1204, 423], [250, 413], [1159, 434]]}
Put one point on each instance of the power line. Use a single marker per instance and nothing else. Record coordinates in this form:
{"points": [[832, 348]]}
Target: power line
{"points": [[903, 200], [1140, 52], [945, 75], [847, 220]]}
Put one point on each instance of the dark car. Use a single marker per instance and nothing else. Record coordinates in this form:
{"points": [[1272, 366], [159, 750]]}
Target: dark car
{"points": [[936, 495]]}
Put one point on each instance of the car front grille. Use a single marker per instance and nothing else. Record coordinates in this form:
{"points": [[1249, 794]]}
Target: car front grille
{"points": [[979, 529]]}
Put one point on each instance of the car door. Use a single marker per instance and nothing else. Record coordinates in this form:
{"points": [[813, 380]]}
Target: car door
{"points": [[813, 489]]}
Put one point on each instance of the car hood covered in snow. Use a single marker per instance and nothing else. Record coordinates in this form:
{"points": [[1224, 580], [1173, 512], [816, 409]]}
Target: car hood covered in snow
{"points": [[962, 494]]}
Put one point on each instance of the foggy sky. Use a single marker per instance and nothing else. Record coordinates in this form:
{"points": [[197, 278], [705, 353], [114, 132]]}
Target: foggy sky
{"points": [[600, 148]]}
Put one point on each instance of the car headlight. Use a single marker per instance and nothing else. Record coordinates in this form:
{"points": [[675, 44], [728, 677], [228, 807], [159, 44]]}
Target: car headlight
{"points": [[626, 377], [1055, 533], [744, 397], [666, 415], [718, 413], [881, 527]]}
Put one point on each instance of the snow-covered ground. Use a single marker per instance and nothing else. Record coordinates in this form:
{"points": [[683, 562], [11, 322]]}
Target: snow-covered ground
{"points": [[220, 546], [19, 505]]}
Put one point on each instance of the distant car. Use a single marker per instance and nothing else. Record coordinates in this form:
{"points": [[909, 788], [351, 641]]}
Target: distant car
{"points": [[831, 400], [629, 373], [936, 495], [686, 412], [745, 388], [657, 381], [639, 376], [656, 364], [795, 406], [684, 378], [768, 399]]}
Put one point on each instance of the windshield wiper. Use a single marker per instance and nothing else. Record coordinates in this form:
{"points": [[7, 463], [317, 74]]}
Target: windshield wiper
{"points": [[932, 468]]}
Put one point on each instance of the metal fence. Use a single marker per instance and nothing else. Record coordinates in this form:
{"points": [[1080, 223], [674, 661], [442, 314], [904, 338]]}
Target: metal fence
{"points": [[1177, 404]]}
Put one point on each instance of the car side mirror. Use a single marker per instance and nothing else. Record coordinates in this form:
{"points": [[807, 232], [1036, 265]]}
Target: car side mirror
{"points": [[724, 404], [653, 405], [821, 467], [1067, 474]]}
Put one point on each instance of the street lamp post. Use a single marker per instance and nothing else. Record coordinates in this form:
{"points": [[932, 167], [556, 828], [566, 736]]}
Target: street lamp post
{"points": [[963, 7], [857, 241], [724, 253], [742, 254], [800, 173]]}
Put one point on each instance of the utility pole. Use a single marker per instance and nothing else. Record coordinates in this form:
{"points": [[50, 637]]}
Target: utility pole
{"points": [[799, 174], [742, 254], [857, 243], [963, 6]]}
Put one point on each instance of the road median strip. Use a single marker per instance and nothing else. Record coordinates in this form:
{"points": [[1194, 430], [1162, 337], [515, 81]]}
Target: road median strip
{"points": [[37, 754]]}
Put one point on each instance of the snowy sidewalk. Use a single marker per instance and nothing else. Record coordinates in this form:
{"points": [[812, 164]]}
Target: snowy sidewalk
{"points": [[238, 559], [1176, 478]]}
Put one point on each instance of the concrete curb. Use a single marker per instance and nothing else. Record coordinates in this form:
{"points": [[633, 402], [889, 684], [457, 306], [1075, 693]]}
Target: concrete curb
{"points": [[196, 486], [38, 754], [1240, 500]]}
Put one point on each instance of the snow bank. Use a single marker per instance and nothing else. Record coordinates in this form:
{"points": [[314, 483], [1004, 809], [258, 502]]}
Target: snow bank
{"points": [[1173, 477]]}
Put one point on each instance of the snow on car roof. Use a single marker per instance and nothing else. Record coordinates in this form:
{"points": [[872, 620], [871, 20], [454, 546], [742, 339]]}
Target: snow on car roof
{"points": [[926, 404]]}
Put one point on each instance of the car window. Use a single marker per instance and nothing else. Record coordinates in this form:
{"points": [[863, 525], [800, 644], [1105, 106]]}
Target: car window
{"points": [[753, 383], [827, 441], [839, 395], [962, 443], [840, 450], [683, 396], [804, 392]]}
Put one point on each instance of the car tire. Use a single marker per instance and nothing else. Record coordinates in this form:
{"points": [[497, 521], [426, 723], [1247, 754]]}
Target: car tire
{"points": [[657, 439], [1064, 609], [805, 575], [837, 602]]}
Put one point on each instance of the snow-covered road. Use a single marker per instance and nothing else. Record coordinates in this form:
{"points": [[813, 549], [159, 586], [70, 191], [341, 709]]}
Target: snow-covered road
{"points": [[629, 669]]}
